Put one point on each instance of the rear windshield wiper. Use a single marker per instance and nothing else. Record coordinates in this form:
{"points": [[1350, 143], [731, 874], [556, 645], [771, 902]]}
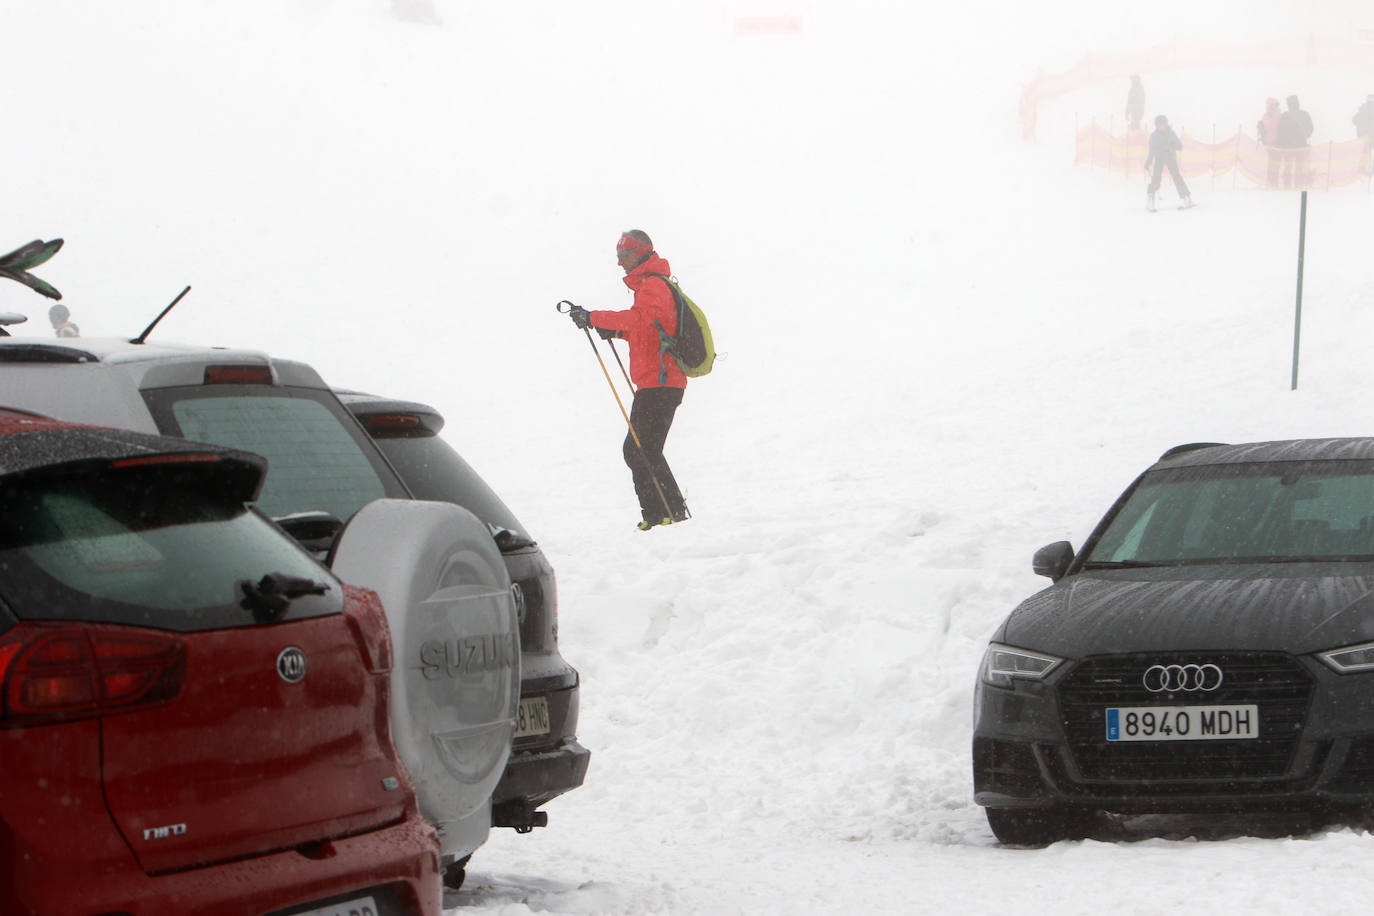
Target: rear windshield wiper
{"points": [[270, 596], [507, 540]]}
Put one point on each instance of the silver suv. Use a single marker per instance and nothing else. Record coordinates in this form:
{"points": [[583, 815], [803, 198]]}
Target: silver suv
{"points": [[547, 759]]}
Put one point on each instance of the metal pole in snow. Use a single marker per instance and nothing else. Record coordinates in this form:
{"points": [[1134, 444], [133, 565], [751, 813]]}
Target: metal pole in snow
{"points": [[1297, 318]]}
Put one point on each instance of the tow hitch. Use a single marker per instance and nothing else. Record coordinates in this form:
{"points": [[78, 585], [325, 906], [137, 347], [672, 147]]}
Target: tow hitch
{"points": [[518, 815]]}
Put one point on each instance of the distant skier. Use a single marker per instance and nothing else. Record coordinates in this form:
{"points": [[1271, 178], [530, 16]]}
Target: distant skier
{"points": [[62, 324], [1135, 103], [658, 379], [1267, 131], [1267, 128], [1164, 149]]}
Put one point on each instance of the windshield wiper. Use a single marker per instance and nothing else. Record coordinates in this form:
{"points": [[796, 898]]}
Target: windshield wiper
{"points": [[270, 596], [1226, 561], [1126, 564], [1334, 558]]}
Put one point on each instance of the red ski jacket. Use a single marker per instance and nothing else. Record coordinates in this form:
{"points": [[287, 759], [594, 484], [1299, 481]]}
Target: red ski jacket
{"points": [[649, 366]]}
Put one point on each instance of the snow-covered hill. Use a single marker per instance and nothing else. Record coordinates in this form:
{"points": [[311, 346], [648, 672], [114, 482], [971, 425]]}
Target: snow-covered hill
{"points": [[944, 348]]}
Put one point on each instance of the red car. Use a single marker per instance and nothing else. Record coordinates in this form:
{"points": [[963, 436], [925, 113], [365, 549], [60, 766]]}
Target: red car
{"points": [[193, 711]]}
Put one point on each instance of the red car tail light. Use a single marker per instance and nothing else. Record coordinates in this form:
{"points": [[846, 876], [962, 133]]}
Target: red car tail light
{"points": [[367, 620], [238, 375], [56, 673], [393, 423], [173, 458]]}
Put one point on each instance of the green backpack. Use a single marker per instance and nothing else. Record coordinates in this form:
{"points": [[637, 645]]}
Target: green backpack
{"points": [[692, 347]]}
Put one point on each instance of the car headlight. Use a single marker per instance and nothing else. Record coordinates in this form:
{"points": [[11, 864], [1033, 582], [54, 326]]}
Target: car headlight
{"points": [[1351, 659], [1003, 663]]}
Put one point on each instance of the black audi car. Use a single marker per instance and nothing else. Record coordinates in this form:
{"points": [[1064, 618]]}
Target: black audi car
{"points": [[1211, 648]]}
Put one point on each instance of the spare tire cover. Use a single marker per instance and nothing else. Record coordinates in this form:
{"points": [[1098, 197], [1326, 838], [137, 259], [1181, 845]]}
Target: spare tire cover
{"points": [[456, 676]]}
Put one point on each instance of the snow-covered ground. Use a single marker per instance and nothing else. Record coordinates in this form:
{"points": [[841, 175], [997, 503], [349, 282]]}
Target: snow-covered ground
{"points": [[943, 348]]}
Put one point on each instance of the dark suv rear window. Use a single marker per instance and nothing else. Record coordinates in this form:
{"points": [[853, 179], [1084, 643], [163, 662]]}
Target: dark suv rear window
{"points": [[318, 458], [433, 470], [149, 546]]}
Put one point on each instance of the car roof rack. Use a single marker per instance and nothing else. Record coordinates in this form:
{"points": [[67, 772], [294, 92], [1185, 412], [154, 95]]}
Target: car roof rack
{"points": [[1188, 447]]}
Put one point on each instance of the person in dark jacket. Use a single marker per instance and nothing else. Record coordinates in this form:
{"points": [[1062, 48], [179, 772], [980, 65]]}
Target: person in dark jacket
{"points": [[1364, 129], [659, 381], [1164, 149], [1295, 129], [1135, 103]]}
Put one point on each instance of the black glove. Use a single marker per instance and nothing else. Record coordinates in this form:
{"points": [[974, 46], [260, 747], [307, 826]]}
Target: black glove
{"points": [[581, 317], [608, 334]]}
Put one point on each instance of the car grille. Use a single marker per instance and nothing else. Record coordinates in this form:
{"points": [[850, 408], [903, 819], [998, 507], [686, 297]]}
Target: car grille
{"points": [[1276, 683]]}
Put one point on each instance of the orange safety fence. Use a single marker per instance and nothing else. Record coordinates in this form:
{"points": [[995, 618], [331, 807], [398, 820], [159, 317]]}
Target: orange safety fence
{"points": [[1350, 55], [1313, 168]]}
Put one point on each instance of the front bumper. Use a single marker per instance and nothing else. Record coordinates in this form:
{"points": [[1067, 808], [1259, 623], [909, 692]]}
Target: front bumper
{"points": [[1033, 747]]}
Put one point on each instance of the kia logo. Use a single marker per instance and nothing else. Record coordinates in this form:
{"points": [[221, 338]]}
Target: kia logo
{"points": [[1176, 678], [291, 665]]}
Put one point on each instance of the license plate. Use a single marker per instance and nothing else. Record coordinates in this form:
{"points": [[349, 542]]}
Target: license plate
{"points": [[1182, 723], [533, 717], [362, 906]]}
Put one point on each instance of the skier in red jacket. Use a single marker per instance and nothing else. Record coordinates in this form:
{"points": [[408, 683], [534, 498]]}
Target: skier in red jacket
{"points": [[658, 379]]}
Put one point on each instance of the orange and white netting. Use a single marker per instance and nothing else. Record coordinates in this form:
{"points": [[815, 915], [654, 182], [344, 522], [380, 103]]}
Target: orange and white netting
{"points": [[1314, 168]]}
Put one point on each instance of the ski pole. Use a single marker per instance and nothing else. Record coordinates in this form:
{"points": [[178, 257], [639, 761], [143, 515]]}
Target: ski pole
{"points": [[621, 404], [616, 354]]}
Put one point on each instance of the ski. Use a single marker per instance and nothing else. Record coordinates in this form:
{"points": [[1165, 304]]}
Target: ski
{"points": [[31, 255], [17, 263]]}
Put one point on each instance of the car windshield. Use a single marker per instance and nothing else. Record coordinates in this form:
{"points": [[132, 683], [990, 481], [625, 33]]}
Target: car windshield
{"points": [[151, 547], [1271, 512]]}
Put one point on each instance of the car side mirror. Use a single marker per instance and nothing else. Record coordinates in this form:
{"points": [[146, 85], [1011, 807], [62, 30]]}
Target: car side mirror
{"points": [[315, 531], [1053, 560]]}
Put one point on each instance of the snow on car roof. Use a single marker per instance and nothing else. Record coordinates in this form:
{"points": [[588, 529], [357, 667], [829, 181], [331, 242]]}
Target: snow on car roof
{"points": [[29, 441], [1334, 449]]}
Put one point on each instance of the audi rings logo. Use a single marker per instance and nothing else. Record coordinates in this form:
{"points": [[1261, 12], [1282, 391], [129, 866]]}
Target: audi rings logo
{"points": [[1175, 678]]}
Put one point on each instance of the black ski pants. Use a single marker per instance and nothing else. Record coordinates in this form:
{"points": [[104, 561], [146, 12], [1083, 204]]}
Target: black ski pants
{"points": [[651, 415], [1171, 163]]}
